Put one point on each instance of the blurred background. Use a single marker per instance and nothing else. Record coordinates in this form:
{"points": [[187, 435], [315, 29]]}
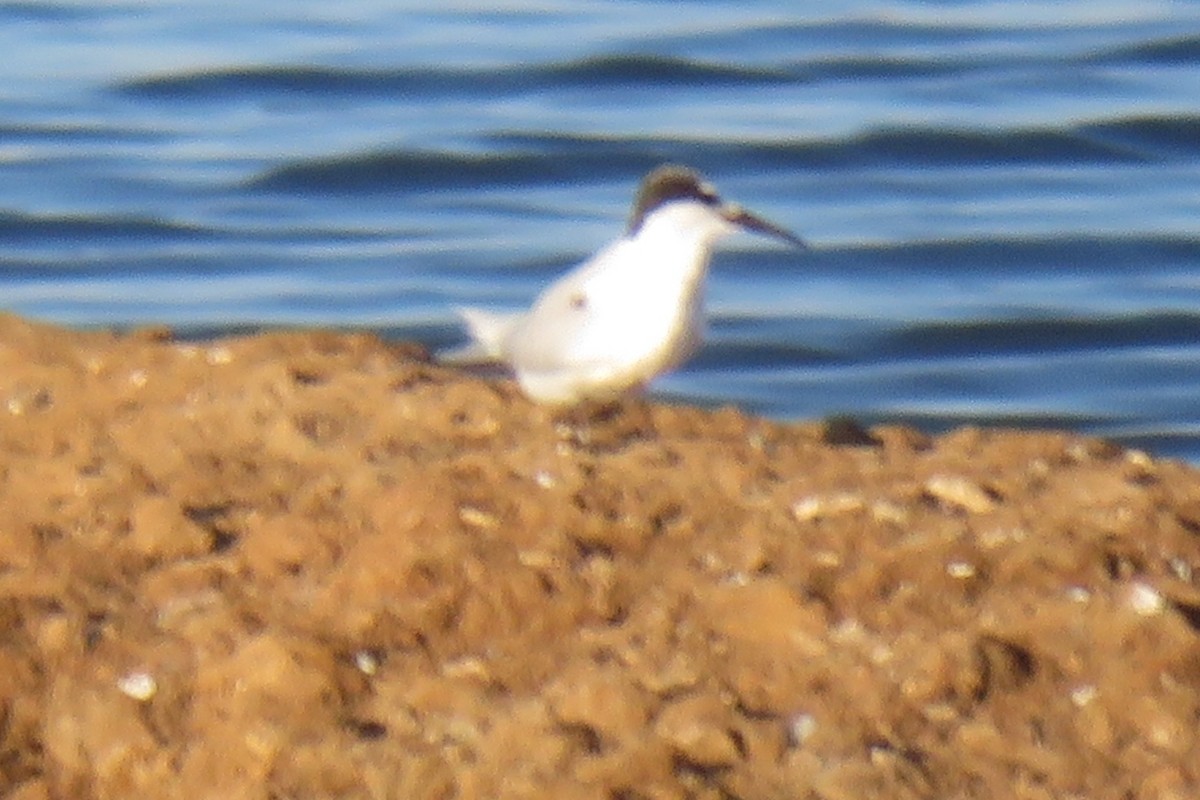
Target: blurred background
{"points": [[1003, 198]]}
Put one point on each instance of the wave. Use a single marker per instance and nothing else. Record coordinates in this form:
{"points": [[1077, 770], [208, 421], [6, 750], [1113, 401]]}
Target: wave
{"points": [[624, 72], [18, 227], [537, 159], [1175, 50], [1059, 255], [1150, 136], [1117, 141], [73, 133], [791, 342], [323, 81], [725, 354], [416, 171], [1038, 335], [44, 12]]}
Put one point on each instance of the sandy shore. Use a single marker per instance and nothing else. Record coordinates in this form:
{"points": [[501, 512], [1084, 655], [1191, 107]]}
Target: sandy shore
{"points": [[316, 566]]}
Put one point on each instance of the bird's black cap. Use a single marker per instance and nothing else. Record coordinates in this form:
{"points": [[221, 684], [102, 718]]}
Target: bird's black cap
{"points": [[672, 182], [666, 183]]}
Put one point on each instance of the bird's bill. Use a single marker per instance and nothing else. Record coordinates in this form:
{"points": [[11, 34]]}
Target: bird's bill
{"points": [[744, 219]]}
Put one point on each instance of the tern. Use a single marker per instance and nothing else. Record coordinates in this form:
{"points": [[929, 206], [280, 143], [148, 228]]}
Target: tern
{"points": [[629, 313]]}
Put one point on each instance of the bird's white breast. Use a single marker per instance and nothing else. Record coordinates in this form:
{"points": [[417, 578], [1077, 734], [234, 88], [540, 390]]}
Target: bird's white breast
{"points": [[648, 306]]}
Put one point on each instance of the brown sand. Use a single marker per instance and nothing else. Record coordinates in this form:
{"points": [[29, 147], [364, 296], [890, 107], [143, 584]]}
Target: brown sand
{"points": [[316, 566]]}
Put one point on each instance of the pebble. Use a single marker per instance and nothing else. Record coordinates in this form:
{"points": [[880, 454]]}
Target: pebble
{"points": [[958, 492], [817, 507], [140, 685], [1144, 599]]}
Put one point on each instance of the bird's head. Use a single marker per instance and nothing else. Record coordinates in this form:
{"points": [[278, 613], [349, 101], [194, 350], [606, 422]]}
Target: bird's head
{"points": [[675, 189]]}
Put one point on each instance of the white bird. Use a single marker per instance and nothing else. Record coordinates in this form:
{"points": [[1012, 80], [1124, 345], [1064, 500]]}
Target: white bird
{"points": [[632, 311]]}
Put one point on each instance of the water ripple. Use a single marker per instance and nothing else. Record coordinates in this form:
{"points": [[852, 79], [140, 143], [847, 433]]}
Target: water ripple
{"points": [[1175, 50], [400, 171], [587, 73], [1041, 336], [18, 227], [548, 158]]}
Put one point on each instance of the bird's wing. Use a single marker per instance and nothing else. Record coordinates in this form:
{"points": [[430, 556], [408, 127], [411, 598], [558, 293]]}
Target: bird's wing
{"points": [[564, 327], [549, 340]]}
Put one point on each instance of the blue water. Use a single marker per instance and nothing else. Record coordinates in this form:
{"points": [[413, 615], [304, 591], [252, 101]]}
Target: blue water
{"points": [[1003, 198]]}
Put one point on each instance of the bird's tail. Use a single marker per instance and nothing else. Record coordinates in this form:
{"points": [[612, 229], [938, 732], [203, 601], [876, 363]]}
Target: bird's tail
{"points": [[488, 330]]}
